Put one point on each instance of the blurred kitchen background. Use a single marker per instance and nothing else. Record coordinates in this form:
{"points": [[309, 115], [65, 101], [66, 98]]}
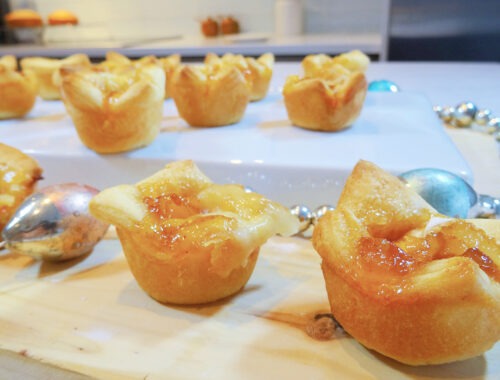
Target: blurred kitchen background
{"points": [[460, 30]]}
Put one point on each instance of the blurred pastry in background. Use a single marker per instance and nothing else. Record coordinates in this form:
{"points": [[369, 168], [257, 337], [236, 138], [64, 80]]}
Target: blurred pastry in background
{"points": [[46, 70], [19, 174], [169, 65], [9, 62], [62, 17], [114, 110], [210, 95], [257, 71], [114, 60], [331, 94], [209, 27], [188, 240], [23, 18], [18, 89], [320, 65], [229, 25]]}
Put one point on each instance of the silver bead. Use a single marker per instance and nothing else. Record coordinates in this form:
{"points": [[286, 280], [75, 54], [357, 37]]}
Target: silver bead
{"points": [[482, 117], [438, 110], [320, 212], [464, 114], [304, 215], [494, 125], [447, 114], [496, 136]]}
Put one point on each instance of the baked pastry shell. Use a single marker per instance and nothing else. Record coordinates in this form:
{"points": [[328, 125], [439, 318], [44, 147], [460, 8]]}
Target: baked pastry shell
{"points": [[420, 328], [311, 103], [203, 256], [45, 69], [18, 92], [257, 71], [447, 310], [181, 279], [126, 123], [206, 100]]}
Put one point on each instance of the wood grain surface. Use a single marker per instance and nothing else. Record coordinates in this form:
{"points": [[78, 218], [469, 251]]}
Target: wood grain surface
{"points": [[89, 318]]}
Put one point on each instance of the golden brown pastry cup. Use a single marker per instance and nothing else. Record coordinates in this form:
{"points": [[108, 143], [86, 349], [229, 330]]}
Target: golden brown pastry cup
{"points": [[196, 256], [111, 121], [257, 71], [171, 278], [444, 310], [18, 90], [323, 104], [321, 65], [207, 97], [46, 68]]}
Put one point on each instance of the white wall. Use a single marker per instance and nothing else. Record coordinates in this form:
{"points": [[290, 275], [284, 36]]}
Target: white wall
{"points": [[124, 19]]}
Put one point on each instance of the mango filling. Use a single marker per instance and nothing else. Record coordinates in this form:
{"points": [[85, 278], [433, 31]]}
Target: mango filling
{"points": [[384, 257]]}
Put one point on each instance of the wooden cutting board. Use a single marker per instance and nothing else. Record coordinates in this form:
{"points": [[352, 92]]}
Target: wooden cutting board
{"points": [[89, 317]]}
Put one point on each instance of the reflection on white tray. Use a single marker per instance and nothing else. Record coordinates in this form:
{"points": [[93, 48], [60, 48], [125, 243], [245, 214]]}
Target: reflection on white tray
{"points": [[397, 131]]}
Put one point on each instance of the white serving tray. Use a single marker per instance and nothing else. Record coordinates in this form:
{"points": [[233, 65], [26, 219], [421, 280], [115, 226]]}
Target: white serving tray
{"points": [[397, 131]]}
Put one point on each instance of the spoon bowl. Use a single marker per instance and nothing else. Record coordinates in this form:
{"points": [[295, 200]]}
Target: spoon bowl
{"points": [[54, 224], [450, 194]]}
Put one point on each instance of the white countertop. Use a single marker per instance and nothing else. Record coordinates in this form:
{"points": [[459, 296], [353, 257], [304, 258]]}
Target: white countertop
{"points": [[197, 46]]}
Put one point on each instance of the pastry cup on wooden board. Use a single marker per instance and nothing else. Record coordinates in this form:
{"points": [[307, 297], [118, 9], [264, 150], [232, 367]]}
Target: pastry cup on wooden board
{"points": [[19, 174], [115, 111], [209, 95], [257, 71], [403, 280], [46, 68], [186, 239], [18, 90]]}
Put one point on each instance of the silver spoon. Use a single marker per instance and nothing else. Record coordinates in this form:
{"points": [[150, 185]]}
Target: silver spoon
{"points": [[450, 194], [54, 224]]}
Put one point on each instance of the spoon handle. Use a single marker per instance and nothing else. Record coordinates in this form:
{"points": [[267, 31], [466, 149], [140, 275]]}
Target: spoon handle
{"points": [[487, 207]]}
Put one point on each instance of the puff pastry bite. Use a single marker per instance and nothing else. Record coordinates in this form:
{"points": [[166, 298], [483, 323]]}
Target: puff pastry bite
{"points": [[115, 111], [115, 60], [331, 94], [19, 174], [46, 70], [18, 90], [404, 280], [319, 65], [186, 239], [210, 95], [257, 71], [169, 65]]}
